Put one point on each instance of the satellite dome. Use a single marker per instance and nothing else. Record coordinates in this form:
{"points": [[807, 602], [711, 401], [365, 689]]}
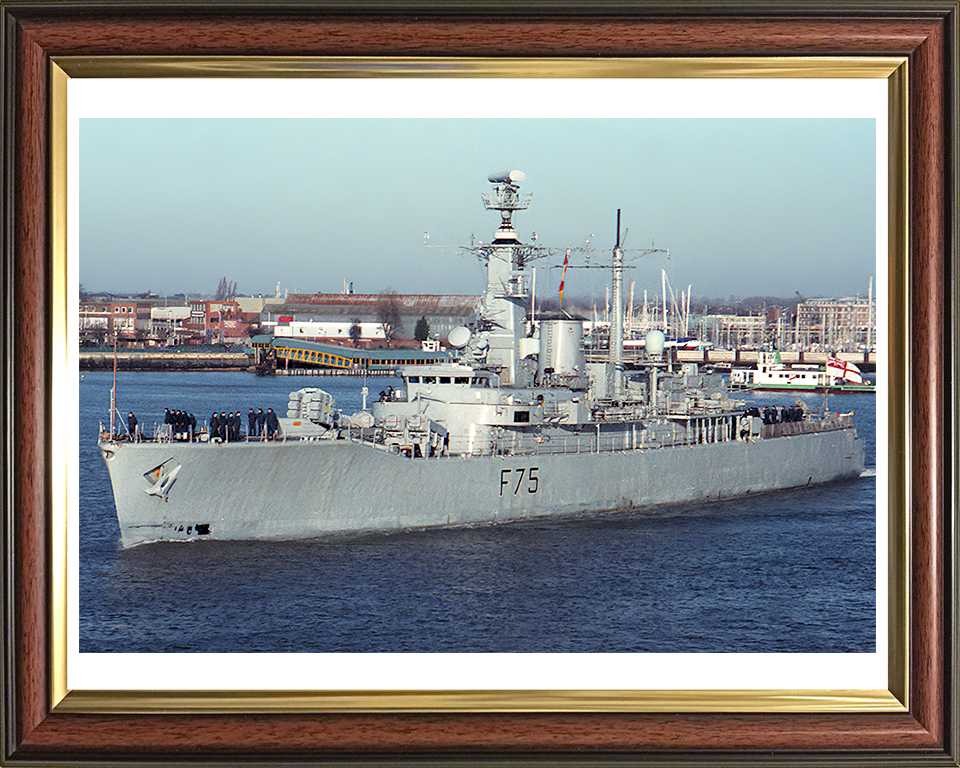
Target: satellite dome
{"points": [[654, 343], [459, 337]]}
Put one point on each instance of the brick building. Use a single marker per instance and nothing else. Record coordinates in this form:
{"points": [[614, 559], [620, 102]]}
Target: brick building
{"points": [[215, 321], [128, 319]]}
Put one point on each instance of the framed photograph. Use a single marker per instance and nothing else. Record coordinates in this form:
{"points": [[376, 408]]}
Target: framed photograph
{"points": [[76, 80]]}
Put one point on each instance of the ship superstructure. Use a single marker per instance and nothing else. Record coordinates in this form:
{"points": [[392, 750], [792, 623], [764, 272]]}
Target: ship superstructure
{"points": [[518, 425]]}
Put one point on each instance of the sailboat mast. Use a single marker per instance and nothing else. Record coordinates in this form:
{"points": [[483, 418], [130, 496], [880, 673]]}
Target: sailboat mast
{"points": [[663, 290]]}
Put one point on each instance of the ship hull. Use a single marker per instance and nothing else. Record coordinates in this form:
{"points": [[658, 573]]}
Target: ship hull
{"points": [[295, 490]]}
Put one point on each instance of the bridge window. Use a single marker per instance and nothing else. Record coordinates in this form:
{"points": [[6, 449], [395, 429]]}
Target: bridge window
{"points": [[413, 379], [429, 379], [444, 379], [461, 380], [521, 416]]}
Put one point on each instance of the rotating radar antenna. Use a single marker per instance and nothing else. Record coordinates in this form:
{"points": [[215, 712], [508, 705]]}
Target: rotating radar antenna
{"points": [[506, 198]]}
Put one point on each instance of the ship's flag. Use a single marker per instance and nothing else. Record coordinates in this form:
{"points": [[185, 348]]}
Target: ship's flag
{"points": [[566, 259], [844, 370]]}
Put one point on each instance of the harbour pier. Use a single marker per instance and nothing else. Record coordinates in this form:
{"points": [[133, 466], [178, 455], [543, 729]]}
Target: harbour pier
{"points": [[746, 358], [145, 360]]}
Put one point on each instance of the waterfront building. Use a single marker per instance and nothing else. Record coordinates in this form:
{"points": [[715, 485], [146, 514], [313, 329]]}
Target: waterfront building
{"points": [[127, 319], [844, 325], [733, 331], [213, 321], [168, 325], [328, 317], [328, 330]]}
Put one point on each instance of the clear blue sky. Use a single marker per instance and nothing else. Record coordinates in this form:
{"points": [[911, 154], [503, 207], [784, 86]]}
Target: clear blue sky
{"points": [[747, 206]]}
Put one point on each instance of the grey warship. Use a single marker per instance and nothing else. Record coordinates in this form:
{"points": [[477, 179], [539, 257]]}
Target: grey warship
{"points": [[516, 425]]}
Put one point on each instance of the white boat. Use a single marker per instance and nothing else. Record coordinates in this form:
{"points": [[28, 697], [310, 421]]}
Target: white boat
{"points": [[772, 374]]}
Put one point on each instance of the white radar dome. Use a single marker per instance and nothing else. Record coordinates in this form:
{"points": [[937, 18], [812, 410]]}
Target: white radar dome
{"points": [[459, 337], [654, 342]]}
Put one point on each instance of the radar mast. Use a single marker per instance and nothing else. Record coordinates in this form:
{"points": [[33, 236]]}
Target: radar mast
{"points": [[506, 199]]}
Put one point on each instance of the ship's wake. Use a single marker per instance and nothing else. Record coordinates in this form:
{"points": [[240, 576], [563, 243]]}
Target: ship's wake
{"points": [[869, 472]]}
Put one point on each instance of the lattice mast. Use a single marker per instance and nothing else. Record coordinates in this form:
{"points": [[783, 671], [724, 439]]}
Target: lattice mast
{"points": [[616, 266], [616, 326], [617, 321]]}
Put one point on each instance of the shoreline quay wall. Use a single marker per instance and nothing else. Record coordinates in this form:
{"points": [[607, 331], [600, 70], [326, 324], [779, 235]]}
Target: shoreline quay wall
{"points": [[166, 361]]}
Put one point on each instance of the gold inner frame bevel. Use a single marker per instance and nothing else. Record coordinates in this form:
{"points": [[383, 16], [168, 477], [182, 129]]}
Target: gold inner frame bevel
{"points": [[894, 699]]}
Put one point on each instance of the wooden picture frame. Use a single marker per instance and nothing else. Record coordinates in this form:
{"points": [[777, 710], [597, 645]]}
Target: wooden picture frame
{"points": [[39, 730]]}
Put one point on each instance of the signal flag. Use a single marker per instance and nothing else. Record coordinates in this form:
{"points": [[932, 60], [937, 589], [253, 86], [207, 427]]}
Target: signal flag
{"points": [[844, 370], [566, 258]]}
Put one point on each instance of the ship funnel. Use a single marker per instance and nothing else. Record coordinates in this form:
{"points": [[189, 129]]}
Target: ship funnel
{"points": [[507, 177], [561, 347]]}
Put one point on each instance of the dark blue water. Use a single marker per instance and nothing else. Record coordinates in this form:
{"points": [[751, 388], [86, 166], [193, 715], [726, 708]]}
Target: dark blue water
{"points": [[787, 572]]}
